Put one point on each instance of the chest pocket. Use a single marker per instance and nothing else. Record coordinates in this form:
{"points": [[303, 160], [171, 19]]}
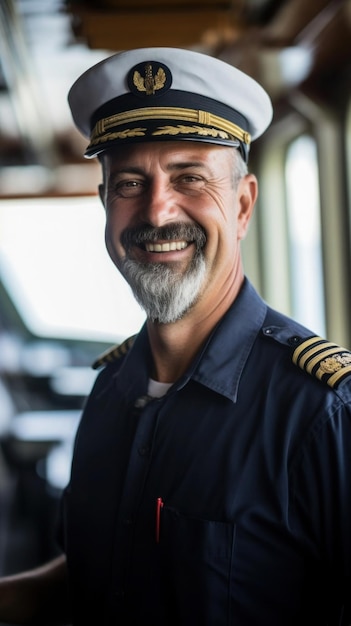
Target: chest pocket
{"points": [[196, 563]]}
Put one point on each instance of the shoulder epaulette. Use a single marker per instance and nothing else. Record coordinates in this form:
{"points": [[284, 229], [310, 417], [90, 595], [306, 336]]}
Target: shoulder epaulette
{"points": [[324, 360], [113, 354]]}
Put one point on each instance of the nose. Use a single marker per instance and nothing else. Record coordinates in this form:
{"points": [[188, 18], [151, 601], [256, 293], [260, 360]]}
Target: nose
{"points": [[159, 204]]}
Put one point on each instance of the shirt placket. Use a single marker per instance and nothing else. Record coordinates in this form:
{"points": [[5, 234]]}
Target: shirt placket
{"points": [[145, 412]]}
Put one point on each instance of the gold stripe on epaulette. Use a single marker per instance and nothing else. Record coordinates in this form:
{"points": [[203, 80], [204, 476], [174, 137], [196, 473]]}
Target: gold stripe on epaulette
{"points": [[114, 353], [303, 346], [325, 360]]}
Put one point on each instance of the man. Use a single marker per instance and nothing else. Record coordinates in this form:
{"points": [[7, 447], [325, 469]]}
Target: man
{"points": [[210, 481]]}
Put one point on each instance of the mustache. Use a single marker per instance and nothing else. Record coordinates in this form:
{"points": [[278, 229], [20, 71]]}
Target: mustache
{"points": [[177, 231]]}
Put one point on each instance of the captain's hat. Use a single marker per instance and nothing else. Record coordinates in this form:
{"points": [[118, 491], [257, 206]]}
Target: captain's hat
{"points": [[168, 94]]}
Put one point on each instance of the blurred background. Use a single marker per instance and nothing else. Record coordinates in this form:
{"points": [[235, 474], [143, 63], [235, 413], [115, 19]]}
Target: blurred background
{"points": [[61, 301]]}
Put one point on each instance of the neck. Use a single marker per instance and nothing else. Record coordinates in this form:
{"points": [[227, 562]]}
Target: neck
{"points": [[174, 346]]}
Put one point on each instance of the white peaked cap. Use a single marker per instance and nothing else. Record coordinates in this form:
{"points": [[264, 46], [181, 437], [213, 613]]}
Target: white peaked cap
{"points": [[168, 94]]}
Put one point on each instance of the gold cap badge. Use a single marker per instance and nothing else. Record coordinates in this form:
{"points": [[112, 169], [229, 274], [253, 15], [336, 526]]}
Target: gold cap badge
{"points": [[149, 79]]}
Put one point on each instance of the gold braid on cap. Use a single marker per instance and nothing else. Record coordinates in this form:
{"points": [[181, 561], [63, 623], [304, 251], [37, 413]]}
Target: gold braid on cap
{"points": [[220, 126]]}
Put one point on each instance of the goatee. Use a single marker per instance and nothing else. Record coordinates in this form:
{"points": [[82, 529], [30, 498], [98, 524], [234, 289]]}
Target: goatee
{"points": [[163, 291]]}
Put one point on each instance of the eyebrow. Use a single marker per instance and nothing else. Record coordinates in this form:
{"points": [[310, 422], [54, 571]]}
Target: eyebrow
{"points": [[186, 164], [126, 170]]}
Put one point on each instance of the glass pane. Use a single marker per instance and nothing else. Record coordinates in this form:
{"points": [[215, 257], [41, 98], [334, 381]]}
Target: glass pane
{"points": [[305, 234], [55, 267]]}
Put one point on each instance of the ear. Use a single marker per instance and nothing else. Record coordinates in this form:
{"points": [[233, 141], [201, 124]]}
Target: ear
{"points": [[247, 196]]}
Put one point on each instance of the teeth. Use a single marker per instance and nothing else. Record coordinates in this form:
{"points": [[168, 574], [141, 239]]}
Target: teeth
{"points": [[166, 247]]}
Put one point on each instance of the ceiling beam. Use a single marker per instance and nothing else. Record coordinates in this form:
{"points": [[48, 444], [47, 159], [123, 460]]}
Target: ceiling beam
{"points": [[124, 30]]}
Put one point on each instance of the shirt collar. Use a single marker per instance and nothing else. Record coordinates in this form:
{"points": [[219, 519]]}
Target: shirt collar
{"points": [[221, 361], [224, 356]]}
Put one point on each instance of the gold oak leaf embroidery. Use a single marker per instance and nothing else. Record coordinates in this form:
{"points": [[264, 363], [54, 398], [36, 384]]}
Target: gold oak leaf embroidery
{"points": [[199, 130], [334, 363], [123, 134], [150, 83]]}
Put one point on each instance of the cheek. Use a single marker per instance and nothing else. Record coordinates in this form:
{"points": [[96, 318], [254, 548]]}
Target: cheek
{"points": [[222, 210], [220, 224], [109, 246], [112, 239]]}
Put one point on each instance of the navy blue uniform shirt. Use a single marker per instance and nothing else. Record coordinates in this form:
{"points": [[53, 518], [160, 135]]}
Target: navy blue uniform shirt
{"points": [[227, 501]]}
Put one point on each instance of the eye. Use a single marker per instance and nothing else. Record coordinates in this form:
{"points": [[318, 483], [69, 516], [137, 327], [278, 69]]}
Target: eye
{"points": [[128, 188], [191, 178], [190, 182]]}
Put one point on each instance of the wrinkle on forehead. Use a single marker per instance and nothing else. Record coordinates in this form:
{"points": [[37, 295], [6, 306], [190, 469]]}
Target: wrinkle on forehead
{"points": [[183, 154]]}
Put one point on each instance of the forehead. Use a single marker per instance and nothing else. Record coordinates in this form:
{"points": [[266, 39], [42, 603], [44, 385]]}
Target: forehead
{"points": [[164, 152]]}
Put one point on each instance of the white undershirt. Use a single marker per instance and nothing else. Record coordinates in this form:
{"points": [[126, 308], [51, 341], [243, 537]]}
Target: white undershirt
{"points": [[156, 389]]}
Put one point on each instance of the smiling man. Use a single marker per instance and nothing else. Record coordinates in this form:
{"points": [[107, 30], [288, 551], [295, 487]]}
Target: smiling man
{"points": [[211, 478], [175, 214]]}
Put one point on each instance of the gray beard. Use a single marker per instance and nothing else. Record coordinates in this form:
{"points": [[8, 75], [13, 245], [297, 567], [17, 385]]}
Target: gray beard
{"points": [[165, 294]]}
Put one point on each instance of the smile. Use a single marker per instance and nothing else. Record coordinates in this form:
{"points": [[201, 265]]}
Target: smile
{"points": [[168, 246]]}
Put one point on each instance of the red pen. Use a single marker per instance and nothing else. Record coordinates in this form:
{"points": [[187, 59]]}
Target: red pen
{"points": [[159, 505]]}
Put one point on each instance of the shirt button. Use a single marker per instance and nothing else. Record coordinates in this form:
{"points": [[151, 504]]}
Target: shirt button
{"points": [[144, 450], [293, 341], [268, 331]]}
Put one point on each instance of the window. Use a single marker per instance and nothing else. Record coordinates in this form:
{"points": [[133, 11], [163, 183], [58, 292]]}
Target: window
{"points": [[304, 234], [54, 265]]}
